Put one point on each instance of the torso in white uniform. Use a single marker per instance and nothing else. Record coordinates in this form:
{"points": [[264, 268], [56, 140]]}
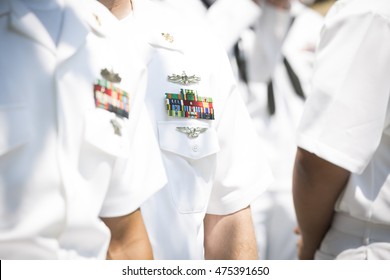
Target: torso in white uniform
{"points": [[220, 170], [64, 158]]}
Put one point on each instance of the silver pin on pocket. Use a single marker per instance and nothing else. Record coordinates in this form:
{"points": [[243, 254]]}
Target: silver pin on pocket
{"points": [[192, 132]]}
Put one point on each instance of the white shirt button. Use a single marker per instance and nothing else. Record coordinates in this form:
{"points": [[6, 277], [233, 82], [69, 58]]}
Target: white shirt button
{"points": [[195, 148]]}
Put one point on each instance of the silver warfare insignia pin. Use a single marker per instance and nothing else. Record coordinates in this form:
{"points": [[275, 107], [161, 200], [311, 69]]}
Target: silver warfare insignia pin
{"points": [[110, 76], [192, 132], [183, 79]]}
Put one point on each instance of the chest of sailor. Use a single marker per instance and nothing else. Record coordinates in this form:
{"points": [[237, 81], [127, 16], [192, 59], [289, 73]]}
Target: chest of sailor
{"points": [[184, 101], [88, 96], [102, 109]]}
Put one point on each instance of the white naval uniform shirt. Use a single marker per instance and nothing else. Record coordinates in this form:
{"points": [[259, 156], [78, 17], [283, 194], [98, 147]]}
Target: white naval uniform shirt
{"points": [[346, 119], [222, 169], [62, 165]]}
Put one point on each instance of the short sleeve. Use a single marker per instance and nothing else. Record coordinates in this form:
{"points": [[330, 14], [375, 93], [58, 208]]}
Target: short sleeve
{"points": [[344, 117], [138, 177], [242, 172]]}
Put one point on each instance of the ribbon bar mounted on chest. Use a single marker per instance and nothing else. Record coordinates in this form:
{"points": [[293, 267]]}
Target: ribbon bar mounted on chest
{"points": [[187, 104], [111, 98]]}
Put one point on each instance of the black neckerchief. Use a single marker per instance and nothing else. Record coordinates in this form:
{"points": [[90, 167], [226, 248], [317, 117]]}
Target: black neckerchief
{"points": [[295, 82]]}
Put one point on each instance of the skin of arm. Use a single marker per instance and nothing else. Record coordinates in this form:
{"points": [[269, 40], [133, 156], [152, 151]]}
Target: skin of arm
{"points": [[280, 4], [317, 184], [129, 239], [119, 8], [230, 237]]}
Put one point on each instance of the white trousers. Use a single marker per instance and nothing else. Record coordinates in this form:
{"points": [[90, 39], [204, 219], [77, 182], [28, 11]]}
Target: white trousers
{"points": [[353, 239]]}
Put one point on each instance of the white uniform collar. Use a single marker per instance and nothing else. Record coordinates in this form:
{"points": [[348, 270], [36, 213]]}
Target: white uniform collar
{"points": [[87, 16]]}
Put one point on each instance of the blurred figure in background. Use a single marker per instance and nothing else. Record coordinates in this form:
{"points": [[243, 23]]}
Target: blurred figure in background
{"points": [[276, 107], [230, 19]]}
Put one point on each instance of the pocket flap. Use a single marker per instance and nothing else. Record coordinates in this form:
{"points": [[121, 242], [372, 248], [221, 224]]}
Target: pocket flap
{"points": [[191, 139], [107, 132]]}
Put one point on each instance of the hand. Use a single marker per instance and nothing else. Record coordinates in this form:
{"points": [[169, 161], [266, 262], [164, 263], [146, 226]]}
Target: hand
{"points": [[302, 254], [297, 231]]}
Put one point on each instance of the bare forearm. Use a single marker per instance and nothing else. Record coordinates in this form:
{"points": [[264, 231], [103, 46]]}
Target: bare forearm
{"points": [[317, 185], [230, 236], [129, 239]]}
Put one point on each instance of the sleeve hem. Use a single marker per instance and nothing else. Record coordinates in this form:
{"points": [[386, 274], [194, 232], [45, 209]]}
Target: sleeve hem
{"points": [[241, 202], [128, 204], [331, 154]]}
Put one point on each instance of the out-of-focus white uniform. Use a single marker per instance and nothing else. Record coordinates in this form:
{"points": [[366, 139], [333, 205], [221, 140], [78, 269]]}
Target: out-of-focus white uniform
{"points": [[220, 168], [229, 20], [346, 122], [273, 213], [73, 145]]}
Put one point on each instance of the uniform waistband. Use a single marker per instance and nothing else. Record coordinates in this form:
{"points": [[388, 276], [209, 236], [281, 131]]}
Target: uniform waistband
{"points": [[367, 230]]}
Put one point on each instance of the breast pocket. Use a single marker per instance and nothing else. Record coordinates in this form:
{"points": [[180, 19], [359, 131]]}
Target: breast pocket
{"points": [[14, 130], [108, 133], [189, 152]]}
